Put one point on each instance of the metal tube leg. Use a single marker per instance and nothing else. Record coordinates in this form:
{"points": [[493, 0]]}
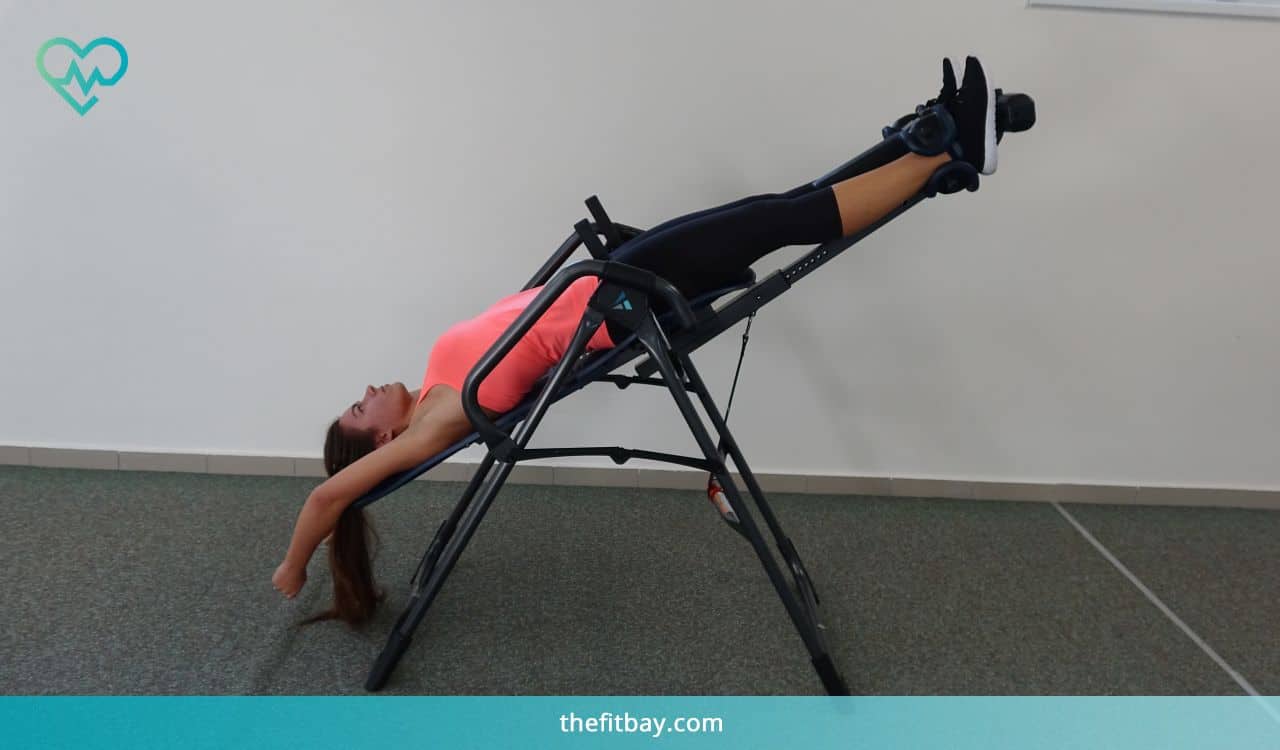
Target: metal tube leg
{"points": [[730, 445], [804, 584], [785, 546], [402, 634], [438, 569], [445, 532], [805, 624]]}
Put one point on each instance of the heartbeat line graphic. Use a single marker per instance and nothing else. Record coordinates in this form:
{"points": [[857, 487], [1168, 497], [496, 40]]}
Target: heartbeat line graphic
{"points": [[74, 74]]}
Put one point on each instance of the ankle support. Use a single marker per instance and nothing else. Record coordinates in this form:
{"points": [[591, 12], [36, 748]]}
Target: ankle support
{"points": [[952, 177], [930, 132]]}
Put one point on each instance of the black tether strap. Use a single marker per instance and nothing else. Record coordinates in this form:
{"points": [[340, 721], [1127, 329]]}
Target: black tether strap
{"points": [[714, 491], [733, 389]]}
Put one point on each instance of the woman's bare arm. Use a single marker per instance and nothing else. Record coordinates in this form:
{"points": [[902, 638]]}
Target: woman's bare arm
{"points": [[444, 424]]}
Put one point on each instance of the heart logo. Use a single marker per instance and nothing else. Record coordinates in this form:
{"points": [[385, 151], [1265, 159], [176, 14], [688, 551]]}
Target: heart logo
{"points": [[57, 49]]}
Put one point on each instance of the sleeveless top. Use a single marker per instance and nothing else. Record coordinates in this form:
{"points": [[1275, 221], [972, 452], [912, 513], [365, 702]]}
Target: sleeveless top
{"points": [[458, 350]]}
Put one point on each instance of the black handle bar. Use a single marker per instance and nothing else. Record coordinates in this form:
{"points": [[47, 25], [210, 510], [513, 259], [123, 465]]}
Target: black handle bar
{"points": [[618, 273]]}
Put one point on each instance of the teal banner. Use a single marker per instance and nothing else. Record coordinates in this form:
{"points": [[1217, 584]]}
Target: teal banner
{"points": [[968, 723]]}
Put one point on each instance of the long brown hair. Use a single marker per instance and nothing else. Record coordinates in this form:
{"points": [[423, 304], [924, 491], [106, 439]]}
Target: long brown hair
{"points": [[355, 596]]}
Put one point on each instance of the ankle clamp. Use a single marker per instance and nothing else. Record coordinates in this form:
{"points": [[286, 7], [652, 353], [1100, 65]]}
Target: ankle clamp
{"points": [[952, 177], [931, 133]]}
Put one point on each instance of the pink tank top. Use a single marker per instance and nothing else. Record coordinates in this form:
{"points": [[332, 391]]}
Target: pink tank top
{"points": [[458, 350]]}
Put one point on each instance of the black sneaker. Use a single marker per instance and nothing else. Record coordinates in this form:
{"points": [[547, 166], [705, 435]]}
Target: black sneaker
{"points": [[948, 91], [973, 106]]}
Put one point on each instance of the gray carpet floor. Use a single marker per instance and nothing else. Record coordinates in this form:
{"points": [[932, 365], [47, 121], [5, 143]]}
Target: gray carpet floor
{"points": [[127, 583]]}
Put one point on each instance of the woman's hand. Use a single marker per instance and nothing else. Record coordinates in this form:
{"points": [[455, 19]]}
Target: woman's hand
{"points": [[289, 580]]}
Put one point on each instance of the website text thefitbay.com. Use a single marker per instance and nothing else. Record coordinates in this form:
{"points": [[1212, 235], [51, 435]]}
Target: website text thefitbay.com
{"points": [[625, 723]]}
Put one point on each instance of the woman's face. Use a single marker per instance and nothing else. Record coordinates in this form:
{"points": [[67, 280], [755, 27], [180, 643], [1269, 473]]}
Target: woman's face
{"points": [[383, 410]]}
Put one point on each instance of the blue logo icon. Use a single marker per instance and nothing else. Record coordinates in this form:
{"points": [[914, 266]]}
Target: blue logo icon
{"points": [[66, 68], [622, 303]]}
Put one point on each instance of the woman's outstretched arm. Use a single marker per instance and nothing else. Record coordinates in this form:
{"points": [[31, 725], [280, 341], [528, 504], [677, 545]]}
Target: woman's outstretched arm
{"points": [[442, 425]]}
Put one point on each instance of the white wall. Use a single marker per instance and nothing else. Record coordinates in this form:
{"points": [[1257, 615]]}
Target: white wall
{"points": [[283, 201]]}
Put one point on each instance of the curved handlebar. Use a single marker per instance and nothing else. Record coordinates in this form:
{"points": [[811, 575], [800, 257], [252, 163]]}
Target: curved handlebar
{"points": [[619, 273]]}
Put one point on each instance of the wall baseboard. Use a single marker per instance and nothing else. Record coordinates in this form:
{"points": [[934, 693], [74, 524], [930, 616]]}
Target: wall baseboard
{"points": [[67, 458]]}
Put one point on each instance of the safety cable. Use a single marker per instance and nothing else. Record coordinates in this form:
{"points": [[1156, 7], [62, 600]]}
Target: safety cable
{"points": [[746, 334], [715, 493]]}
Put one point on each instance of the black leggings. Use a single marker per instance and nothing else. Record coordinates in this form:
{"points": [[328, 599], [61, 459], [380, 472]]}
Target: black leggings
{"points": [[702, 251]]}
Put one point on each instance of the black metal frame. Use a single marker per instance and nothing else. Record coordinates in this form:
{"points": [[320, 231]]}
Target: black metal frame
{"points": [[625, 297]]}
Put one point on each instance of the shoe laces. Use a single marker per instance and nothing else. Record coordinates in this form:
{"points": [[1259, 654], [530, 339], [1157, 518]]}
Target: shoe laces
{"points": [[949, 89]]}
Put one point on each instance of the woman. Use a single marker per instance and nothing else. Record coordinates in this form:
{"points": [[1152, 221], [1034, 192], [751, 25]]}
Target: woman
{"points": [[391, 429]]}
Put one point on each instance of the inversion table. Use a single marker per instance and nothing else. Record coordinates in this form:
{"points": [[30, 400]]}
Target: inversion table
{"points": [[665, 328]]}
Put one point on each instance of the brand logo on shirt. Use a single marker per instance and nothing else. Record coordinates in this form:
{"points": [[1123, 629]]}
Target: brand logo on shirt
{"points": [[622, 303]]}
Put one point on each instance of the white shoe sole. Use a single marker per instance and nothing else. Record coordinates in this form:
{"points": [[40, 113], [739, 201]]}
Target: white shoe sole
{"points": [[989, 148]]}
